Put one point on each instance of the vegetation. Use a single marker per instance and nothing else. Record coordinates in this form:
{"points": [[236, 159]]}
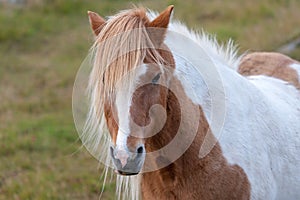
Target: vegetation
{"points": [[43, 43]]}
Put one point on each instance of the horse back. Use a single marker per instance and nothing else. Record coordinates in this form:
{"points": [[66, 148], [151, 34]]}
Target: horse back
{"points": [[271, 64]]}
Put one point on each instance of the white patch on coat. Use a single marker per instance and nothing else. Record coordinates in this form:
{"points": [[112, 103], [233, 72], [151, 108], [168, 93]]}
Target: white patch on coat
{"points": [[123, 103]]}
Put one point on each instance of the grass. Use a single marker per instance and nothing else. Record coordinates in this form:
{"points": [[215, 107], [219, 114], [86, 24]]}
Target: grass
{"points": [[41, 47]]}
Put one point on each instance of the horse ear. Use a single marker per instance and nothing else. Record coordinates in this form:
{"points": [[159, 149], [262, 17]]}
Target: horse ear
{"points": [[96, 22], [161, 22]]}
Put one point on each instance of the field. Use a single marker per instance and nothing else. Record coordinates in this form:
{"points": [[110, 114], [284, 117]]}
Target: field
{"points": [[42, 44]]}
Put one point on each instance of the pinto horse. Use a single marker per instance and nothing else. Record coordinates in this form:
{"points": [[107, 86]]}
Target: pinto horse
{"points": [[255, 155]]}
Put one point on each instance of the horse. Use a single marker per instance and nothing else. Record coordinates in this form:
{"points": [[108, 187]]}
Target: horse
{"points": [[137, 73], [271, 64]]}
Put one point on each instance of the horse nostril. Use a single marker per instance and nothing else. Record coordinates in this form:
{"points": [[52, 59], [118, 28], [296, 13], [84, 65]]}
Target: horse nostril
{"points": [[140, 150]]}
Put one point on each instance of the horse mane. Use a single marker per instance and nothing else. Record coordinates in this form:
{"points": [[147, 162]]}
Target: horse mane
{"points": [[225, 53]]}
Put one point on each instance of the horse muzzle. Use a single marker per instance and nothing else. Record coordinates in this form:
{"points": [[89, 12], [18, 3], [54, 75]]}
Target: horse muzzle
{"points": [[128, 163]]}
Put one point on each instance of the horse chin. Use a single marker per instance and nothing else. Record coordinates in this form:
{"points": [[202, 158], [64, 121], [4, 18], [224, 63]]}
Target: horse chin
{"points": [[122, 173]]}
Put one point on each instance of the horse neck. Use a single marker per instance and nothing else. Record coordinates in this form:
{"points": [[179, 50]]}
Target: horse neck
{"points": [[177, 171], [237, 91], [199, 173], [189, 174]]}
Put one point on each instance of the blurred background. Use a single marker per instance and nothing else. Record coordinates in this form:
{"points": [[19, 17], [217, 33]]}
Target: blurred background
{"points": [[42, 44]]}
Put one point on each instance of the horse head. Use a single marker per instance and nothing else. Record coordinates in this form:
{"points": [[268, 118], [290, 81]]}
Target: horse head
{"points": [[132, 70]]}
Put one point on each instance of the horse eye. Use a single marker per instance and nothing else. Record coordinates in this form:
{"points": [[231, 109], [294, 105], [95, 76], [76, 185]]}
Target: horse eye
{"points": [[156, 78]]}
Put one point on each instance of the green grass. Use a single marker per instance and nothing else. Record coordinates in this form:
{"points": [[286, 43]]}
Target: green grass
{"points": [[43, 44]]}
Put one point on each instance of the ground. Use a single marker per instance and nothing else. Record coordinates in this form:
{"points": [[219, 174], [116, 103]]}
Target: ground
{"points": [[43, 43]]}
